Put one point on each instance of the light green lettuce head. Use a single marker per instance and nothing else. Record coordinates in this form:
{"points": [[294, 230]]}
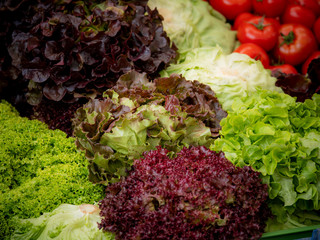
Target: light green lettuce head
{"points": [[194, 23], [229, 75], [67, 222]]}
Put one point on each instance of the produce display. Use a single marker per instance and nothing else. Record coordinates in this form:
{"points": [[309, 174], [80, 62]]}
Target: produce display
{"points": [[154, 119]]}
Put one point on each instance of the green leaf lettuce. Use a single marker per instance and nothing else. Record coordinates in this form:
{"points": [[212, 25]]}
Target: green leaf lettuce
{"points": [[279, 137]]}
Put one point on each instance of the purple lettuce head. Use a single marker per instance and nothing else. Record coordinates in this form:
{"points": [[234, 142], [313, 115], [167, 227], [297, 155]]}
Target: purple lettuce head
{"points": [[196, 195]]}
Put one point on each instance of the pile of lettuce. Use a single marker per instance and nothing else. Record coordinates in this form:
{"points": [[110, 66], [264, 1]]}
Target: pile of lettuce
{"points": [[66, 222], [137, 115], [229, 75], [198, 194], [64, 50], [39, 170], [191, 24], [280, 138]]}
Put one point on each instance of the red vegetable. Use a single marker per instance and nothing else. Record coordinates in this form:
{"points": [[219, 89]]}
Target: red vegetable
{"points": [[254, 51], [313, 5], [298, 14], [295, 43], [242, 17], [197, 195], [231, 8], [316, 29], [269, 8], [284, 68], [258, 30], [305, 66]]}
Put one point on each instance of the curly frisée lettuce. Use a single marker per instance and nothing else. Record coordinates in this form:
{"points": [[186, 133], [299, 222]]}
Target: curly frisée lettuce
{"points": [[39, 170], [137, 115], [67, 222], [229, 75], [192, 24], [278, 137]]}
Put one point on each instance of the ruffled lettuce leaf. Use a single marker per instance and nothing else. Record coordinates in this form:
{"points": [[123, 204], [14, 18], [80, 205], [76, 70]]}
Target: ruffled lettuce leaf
{"points": [[280, 138], [136, 116]]}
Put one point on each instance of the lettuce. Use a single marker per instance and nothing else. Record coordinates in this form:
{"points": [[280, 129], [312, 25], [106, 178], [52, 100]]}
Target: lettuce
{"points": [[278, 137], [230, 76], [66, 222], [62, 51], [137, 115], [39, 170], [198, 194], [191, 24]]}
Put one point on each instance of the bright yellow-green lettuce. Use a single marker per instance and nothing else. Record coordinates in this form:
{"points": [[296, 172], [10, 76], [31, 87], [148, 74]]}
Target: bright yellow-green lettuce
{"points": [[39, 169], [229, 75], [280, 138], [66, 222], [193, 23]]}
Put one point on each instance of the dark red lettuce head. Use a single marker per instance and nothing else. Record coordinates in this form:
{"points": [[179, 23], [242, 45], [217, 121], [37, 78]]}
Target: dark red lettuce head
{"points": [[298, 85], [61, 51], [198, 194]]}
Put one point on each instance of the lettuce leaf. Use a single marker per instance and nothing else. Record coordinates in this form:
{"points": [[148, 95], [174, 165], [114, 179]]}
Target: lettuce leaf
{"points": [[137, 115], [280, 138], [66, 222], [39, 170], [229, 76], [191, 24]]}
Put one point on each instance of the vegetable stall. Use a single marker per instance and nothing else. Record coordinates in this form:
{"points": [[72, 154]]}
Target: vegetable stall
{"points": [[139, 119]]}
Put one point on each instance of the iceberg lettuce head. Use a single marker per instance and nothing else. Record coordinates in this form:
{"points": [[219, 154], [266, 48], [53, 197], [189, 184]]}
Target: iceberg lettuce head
{"points": [[193, 23], [229, 75]]}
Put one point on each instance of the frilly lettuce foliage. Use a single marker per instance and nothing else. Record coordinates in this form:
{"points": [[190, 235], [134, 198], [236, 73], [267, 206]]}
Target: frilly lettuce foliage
{"points": [[39, 170], [280, 138], [137, 115], [229, 75]]}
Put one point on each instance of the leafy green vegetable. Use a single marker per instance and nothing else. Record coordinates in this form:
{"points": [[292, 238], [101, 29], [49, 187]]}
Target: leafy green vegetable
{"points": [[280, 138], [39, 169], [66, 222], [192, 24], [137, 115], [230, 76]]}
